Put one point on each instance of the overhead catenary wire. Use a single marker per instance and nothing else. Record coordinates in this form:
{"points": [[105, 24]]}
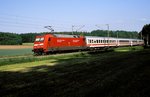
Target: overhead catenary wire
{"points": [[27, 22], [35, 22], [31, 22]]}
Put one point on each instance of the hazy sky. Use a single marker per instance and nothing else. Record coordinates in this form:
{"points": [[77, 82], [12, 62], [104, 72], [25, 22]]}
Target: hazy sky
{"points": [[24, 16]]}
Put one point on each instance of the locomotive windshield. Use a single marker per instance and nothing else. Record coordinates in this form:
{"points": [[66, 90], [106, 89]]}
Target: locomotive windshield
{"points": [[39, 39]]}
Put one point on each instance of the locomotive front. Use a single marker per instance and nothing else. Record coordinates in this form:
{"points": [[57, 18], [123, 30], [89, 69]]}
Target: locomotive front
{"points": [[38, 47]]}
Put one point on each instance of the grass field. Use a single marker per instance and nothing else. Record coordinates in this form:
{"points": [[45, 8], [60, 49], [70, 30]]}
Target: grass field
{"points": [[124, 72], [13, 50]]}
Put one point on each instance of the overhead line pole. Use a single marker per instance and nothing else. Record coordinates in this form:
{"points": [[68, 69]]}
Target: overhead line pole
{"points": [[72, 29], [107, 29], [108, 33]]}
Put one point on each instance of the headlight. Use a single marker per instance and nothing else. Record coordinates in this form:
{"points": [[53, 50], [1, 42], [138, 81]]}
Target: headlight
{"points": [[35, 44], [41, 44]]}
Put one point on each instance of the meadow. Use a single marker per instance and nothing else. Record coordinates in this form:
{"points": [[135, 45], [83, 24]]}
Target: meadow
{"points": [[15, 50], [123, 72]]}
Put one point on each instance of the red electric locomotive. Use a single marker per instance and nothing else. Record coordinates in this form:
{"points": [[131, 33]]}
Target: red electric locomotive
{"points": [[48, 43]]}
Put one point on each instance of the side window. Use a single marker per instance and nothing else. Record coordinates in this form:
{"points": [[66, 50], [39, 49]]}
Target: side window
{"points": [[97, 41], [49, 39]]}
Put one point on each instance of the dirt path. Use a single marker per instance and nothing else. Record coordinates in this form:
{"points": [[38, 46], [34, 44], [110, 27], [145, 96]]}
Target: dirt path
{"points": [[14, 47]]}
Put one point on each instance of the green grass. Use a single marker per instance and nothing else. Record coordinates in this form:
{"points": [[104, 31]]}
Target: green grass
{"points": [[30, 58], [127, 49], [111, 74], [28, 44], [14, 52], [25, 55]]}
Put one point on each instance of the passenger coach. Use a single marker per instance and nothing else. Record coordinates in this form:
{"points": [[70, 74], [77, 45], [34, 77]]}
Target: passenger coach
{"points": [[101, 42]]}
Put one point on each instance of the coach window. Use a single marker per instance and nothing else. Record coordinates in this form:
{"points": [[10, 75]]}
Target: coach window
{"points": [[90, 41], [110, 41], [104, 41], [97, 41], [93, 41]]}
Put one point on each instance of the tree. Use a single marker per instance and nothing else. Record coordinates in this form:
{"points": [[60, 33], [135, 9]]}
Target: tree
{"points": [[10, 39], [28, 37], [145, 33]]}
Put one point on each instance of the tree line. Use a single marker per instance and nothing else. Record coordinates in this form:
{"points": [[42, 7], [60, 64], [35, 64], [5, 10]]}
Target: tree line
{"points": [[7, 38], [18, 39]]}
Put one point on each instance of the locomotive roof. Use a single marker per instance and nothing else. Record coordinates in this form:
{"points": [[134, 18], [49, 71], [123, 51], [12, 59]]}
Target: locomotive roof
{"points": [[66, 36]]}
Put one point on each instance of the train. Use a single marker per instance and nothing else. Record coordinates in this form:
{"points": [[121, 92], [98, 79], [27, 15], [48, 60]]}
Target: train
{"points": [[49, 43]]}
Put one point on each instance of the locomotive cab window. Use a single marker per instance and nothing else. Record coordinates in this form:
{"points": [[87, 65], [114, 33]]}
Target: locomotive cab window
{"points": [[39, 39], [42, 39]]}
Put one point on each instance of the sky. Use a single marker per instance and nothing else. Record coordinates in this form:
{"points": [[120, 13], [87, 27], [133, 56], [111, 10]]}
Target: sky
{"points": [[24, 16]]}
